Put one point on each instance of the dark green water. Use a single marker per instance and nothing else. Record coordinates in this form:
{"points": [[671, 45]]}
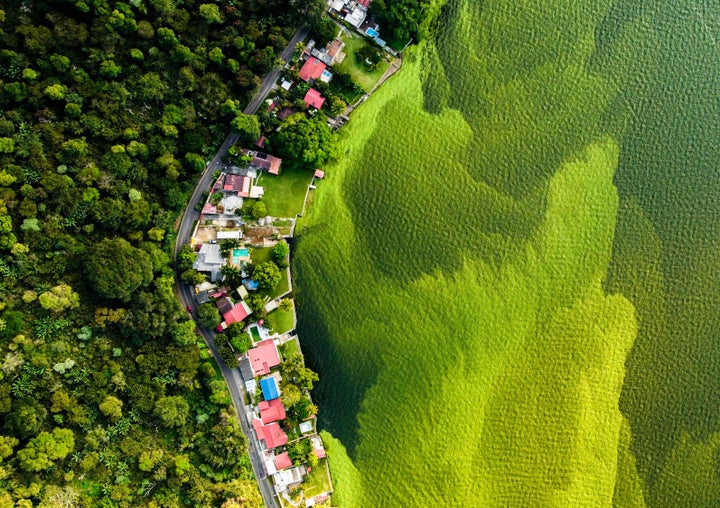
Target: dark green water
{"points": [[667, 246]]}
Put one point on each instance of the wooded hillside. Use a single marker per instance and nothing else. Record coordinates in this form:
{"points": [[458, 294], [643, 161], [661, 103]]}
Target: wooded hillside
{"points": [[110, 110]]}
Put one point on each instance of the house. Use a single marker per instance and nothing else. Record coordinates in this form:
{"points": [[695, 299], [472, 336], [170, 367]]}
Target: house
{"points": [[239, 184], [334, 51], [269, 387], [319, 173], [282, 461], [209, 260], [272, 434], [237, 313], [314, 99], [246, 371], [261, 141], [356, 16], [312, 69], [271, 411], [263, 357], [283, 479], [317, 447], [202, 297], [224, 304]]}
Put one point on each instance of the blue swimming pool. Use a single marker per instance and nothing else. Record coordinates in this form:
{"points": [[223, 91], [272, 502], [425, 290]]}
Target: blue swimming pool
{"points": [[372, 33], [241, 253]]}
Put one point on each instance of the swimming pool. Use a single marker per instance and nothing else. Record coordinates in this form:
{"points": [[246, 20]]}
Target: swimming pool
{"points": [[240, 255], [372, 33]]}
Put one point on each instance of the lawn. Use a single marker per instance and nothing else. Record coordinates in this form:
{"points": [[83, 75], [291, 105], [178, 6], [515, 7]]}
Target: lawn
{"points": [[317, 481], [261, 255], [290, 348], [360, 74], [280, 322], [285, 193]]}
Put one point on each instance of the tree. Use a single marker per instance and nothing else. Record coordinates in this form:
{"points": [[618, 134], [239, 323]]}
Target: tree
{"points": [[117, 269], [173, 411], [259, 210], [307, 142], [192, 276], [186, 258], [208, 315], [111, 407], [42, 450], [59, 298], [285, 305], [26, 418], [267, 275], [210, 13], [239, 339], [247, 126], [184, 332], [280, 253]]}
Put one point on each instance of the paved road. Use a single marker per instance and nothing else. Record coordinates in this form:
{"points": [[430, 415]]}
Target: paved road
{"points": [[186, 293], [274, 74]]}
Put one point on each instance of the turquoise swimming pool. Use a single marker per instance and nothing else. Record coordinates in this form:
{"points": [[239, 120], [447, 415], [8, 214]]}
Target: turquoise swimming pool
{"points": [[240, 255]]}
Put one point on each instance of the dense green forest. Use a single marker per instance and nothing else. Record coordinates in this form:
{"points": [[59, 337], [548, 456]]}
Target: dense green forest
{"points": [[110, 110]]}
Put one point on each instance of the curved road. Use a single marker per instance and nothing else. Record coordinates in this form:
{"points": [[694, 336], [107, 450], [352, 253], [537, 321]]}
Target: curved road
{"points": [[186, 294]]}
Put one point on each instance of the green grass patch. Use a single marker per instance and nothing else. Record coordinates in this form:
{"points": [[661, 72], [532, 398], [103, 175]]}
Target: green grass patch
{"points": [[285, 193], [358, 70], [260, 255], [280, 322], [317, 481], [290, 348]]}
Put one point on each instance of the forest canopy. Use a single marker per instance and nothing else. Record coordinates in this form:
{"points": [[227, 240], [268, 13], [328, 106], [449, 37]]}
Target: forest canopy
{"points": [[109, 111]]}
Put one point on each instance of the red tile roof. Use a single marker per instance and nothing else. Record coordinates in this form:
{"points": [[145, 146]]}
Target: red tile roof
{"points": [[272, 434], [237, 313], [275, 166], [319, 453], [238, 183], [314, 98], [271, 411], [261, 141], [264, 357], [312, 69], [335, 48], [282, 461], [364, 3]]}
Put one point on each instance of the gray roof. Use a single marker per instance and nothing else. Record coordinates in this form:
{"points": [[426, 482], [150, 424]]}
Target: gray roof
{"points": [[202, 297], [246, 370]]}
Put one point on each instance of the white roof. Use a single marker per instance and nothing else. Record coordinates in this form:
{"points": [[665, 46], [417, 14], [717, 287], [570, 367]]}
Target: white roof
{"points": [[210, 254], [287, 477], [257, 192], [285, 84], [306, 427], [223, 235], [337, 5], [356, 17]]}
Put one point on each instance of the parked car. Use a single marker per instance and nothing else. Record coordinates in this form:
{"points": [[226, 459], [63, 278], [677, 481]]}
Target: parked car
{"points": [[189, 309]]}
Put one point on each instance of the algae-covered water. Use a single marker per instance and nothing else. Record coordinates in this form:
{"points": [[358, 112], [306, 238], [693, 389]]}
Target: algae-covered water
{"points": [[509, 280]]}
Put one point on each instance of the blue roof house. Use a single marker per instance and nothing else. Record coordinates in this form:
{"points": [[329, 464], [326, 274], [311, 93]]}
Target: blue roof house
{"points": [[269, 388]]}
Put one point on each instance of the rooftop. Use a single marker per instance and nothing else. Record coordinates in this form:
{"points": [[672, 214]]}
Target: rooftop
{"points": [[269, 388], [272, 434], [237, 313], [271, 411], [264, 357], [224, 304], [314, 99], [312, 69], [282, 461], [319, 173], [246, 369]]}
